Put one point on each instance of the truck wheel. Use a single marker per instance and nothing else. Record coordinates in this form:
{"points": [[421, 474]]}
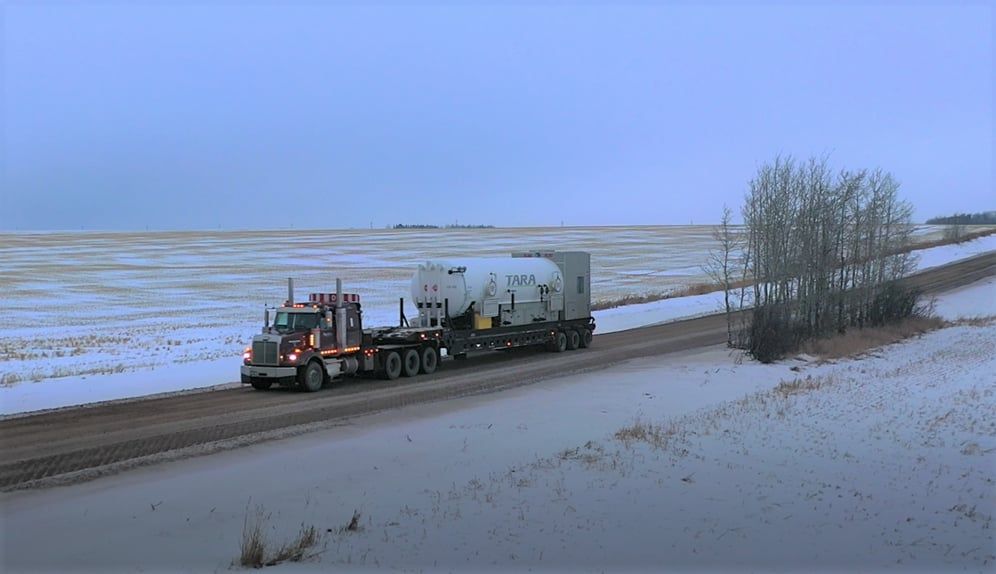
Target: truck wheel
{"points": [[585, 338], [559, 343], [260, 384], [430, 360], [412, 362], [311, 377], [392, 366], [573, 340]]}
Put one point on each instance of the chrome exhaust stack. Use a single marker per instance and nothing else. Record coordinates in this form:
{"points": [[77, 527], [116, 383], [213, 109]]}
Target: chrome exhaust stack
{"points": [[290, 291], [340, 318]]}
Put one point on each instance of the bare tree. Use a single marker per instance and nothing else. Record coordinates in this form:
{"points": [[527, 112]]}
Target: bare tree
{"points": [[722, 264], [953, 232]]}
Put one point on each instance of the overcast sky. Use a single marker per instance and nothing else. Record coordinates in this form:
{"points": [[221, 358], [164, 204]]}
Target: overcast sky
{"points": [[247, 116]]}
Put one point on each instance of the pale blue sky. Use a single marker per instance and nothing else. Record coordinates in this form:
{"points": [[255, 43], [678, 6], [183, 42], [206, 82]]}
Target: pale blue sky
{"points": [[193, 116]]}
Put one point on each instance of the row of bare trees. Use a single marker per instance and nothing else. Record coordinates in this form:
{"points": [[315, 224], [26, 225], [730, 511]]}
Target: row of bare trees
{"points": [[820, 251]]}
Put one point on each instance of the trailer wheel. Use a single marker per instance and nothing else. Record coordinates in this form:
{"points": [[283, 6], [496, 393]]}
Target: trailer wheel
{"points": [[585, 338], [412, 363], [260, 384], [559, 343], [430, 360], [311, 377], [573, 340], [392, 366]]}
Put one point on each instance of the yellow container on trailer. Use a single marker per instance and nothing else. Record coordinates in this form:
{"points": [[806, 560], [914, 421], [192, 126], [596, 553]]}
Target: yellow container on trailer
{"points": [[481, 322]]}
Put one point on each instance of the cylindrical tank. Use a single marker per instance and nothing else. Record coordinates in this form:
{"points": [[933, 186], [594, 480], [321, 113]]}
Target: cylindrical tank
{"points": [[466, 281]]}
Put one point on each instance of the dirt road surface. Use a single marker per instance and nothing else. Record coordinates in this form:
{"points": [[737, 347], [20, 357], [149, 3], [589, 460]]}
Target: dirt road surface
{"points": [[80, 443]]}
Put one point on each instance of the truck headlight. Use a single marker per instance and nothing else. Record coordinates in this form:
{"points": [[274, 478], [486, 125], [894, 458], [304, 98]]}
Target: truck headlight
{"points": [[292, 357]]}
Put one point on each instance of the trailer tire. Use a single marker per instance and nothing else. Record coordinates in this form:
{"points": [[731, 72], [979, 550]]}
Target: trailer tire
{"points": [[412, 363], [559, 343], [312, 377], [260, 384], [430, 360], [585, 338], [392, 366], [573, 340]]}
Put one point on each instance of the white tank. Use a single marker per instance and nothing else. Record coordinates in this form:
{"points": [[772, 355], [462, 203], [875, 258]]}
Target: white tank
{"points": [[466, 281]]}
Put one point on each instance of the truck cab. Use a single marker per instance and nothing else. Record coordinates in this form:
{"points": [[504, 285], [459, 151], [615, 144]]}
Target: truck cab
{"points": [[305, 344]]}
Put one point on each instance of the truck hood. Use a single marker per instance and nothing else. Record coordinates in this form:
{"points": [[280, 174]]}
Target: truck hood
{"points": [[292, 339]]}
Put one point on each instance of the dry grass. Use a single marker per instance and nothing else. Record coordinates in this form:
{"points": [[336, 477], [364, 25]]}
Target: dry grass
{"points": [[590, 454], [354, 522], [34, 348], [656, 435], [9, 379], [686, 291], [856, 341], [798, 386], [297, 549], [978, 321], [951, 240], [253, 549]]}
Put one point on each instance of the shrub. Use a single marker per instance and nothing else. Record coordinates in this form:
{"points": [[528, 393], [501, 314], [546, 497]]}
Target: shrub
{"points": [[892, 304], [770, 334]]}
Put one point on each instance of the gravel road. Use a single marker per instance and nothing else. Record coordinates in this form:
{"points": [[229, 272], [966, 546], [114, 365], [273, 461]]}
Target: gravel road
{"points": [[80, 443]]}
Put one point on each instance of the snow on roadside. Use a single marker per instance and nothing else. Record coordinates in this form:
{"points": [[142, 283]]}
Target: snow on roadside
{"points": [[29, 396], [944, 254], [884, 462], [975, 300], [70, 391]]}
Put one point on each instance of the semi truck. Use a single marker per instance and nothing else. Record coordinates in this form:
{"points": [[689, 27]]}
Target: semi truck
{"points": [[464, 306]]}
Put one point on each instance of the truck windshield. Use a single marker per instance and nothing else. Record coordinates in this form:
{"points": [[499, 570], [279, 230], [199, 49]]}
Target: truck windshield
{"points": [[286, 322]]}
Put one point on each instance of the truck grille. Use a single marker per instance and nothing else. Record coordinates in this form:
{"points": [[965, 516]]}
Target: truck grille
{"points": [[264, 353]]}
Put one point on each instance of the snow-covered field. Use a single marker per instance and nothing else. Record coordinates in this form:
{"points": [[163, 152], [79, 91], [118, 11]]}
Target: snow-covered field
{"points": [[883, 462], [86, 312]]}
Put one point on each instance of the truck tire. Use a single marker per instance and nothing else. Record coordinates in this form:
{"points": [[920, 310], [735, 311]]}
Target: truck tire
{"points": [[411, 363], [559, 343], [260, 384], [392, 366], [573, 340], [430, 360], [585, 338], [311, 377]]}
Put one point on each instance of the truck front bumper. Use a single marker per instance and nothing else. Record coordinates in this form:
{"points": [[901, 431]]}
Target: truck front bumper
{"points": [[250, 372]]}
